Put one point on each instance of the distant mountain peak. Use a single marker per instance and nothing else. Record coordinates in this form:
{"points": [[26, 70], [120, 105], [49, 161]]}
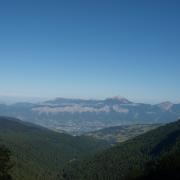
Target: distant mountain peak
{"points": [[166, 105], [118, 99]]}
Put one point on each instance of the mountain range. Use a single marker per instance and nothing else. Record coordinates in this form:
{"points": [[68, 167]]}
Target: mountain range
{"points": [[78, 116]]}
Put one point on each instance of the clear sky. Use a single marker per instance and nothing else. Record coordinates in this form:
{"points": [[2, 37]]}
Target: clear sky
{"points": [[90, 49]]}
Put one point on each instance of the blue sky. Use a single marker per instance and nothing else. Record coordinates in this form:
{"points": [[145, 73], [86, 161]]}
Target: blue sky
{"points": [[90, 49]]}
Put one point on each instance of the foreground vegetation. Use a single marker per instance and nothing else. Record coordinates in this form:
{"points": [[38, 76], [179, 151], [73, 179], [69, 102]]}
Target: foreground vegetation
{"points": [[148, 156], [5, 163], [166, 168], [39, 153]]}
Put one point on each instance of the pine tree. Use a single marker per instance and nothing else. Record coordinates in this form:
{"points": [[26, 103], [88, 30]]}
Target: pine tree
{"points": [[5, 164]]}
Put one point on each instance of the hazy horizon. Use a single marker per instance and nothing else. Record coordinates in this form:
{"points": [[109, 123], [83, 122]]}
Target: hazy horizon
{"points": [[8, 99]]}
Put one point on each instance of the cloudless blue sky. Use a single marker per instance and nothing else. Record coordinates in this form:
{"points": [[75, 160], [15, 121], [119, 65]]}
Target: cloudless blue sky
{"points": [[90, 49]]}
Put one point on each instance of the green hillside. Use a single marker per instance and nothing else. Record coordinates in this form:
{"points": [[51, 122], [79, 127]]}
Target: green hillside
{"points": [[122, 133], [129, 160], [166, 168], [39, 153]]}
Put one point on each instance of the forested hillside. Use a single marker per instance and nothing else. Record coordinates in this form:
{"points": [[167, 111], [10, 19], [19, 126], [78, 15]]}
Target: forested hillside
{"points": [[39, 153], [166, 168], [131, 159]]}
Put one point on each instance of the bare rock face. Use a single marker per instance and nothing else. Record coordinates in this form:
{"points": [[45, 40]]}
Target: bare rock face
{"points": [[166, 106]]}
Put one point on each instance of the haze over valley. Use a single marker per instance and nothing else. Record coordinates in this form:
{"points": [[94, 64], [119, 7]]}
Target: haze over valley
{"points": [[77, 116]]}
